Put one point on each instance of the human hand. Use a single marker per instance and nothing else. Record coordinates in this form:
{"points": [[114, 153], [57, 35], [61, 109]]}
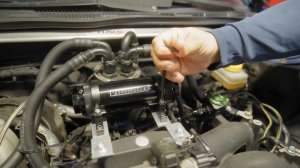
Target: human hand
{"points": [[184, 51]]}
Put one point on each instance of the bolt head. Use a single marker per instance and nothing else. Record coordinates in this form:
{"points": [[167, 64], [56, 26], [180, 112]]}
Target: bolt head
{"points": [[248, 113], [257, 122], [101, 148], [154, 8], [291, 149], [80, 91], [98, 111], [99, 126]]}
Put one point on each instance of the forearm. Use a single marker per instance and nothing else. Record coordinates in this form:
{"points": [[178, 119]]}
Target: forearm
{"points": [[274, 33]]}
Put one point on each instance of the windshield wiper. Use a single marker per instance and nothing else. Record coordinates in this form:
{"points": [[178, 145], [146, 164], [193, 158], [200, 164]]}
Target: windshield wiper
{"points": [[138, 5]]}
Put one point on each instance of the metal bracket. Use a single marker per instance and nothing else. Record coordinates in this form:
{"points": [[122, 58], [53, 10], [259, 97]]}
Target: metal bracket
{"points": [[101, 143], [178, 133], [247, 115], [161, 119], [290, 150]]}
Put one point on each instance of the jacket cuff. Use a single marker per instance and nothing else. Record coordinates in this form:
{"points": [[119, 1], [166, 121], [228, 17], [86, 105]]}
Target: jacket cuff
{"points": [[230, 44]]}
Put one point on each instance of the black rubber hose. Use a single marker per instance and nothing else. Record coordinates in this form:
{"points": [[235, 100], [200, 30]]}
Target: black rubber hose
{"points": [[102, 44], [27, 134], [180, 106], [128, 40], [134, 117], [46, 68], [198, 93], [179, 101], [22, 71], [144, 49], [57, 51]]}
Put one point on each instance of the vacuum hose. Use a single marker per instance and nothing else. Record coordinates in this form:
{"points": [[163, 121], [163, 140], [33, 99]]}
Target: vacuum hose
{"points": [[36, 98], [129, 39]]}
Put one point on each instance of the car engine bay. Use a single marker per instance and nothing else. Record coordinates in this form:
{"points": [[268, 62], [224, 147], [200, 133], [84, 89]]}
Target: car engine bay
{"points": [[93, 102]]}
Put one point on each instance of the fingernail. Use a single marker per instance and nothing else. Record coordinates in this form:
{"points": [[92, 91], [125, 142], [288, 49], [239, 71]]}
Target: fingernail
{"points": [[169, 67]]}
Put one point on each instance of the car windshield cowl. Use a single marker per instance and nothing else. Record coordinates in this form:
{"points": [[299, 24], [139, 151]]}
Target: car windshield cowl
{"points": [[136, 5]]}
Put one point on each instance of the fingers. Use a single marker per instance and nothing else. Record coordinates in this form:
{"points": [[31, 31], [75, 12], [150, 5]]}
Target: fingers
{"points": [[178, 42], [168, 65], [175, 76], [167, 48], [169, 44], [171, 66], [160, 48]]}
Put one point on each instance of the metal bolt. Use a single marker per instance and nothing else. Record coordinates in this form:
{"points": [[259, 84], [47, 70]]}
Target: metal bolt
{"points": [[248, 113], [80, 91], [257, 122], [133, 131], [97, 111], [99, 127], [154, 8], [291, 149], [163, 116], [101, 148], [77, 98]]}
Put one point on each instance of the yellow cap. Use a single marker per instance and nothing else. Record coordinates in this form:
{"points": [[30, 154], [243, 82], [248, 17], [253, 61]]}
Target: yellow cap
{"points": [[235, 68]]}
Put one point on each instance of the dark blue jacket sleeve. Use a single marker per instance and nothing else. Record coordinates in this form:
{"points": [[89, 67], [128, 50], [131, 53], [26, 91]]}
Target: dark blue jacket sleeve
{"points": [[273, 33]]}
